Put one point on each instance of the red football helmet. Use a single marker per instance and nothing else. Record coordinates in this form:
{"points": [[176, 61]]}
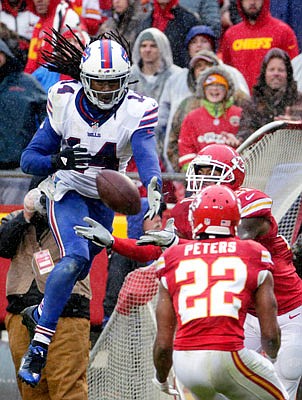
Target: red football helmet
{"points": [[225, 166], [215, 210]]}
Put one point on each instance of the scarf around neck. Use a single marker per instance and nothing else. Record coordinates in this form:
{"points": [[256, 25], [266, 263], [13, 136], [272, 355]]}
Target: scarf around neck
{"points": [[217, 110], [161, 16]]}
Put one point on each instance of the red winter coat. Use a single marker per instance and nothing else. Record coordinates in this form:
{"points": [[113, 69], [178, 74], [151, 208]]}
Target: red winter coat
{"points": [[199, 129]]}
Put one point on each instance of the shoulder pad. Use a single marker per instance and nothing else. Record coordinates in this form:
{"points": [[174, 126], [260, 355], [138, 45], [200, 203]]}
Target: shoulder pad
{"points": [[138, 105], [59, 97]]}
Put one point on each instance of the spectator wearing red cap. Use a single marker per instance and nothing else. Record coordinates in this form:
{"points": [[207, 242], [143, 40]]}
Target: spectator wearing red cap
{"points": [[216, 121]]}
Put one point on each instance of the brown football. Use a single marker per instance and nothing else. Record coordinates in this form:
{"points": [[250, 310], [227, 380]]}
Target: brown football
{"points": [[118, 192]]}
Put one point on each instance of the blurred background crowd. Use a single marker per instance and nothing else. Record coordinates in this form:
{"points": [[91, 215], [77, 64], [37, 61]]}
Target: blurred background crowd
{"points": [[235, 65]]}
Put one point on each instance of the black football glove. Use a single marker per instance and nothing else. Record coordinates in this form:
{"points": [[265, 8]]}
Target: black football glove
{"points": [[75, 158]]}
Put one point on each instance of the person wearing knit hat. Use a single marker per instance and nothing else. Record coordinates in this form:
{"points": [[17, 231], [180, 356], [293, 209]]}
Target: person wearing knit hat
{"points": [[152, 63], [215, 121], [147, 34], [216, 79], [202, 60], [200, 36]]}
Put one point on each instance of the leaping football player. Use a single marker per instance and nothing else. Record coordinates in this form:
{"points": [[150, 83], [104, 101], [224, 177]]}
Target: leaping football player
{"points": [[94, 121]]}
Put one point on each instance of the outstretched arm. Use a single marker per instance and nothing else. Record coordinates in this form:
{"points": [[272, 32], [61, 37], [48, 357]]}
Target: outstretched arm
{"points": [[99, 235]]}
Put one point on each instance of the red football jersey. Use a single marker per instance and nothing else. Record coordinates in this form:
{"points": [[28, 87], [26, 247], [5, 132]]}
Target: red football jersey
{"points": [[288, 285], [180, 214], [211, 283]]}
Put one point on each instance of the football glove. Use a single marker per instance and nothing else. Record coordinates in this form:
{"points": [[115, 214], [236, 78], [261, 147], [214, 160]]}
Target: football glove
{"points": [[165, 238], [96, 232], [75, 158], [154, 199], [165, 387], [34, 201]]}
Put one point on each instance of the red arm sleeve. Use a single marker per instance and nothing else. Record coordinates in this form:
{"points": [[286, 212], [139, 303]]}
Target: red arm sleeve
{"points": [[129, 248]]}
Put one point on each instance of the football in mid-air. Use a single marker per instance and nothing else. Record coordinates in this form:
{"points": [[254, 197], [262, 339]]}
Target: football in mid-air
{"points": [[118, 192]]}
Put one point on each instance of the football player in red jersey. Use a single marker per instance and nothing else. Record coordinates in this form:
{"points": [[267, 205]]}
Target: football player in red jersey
{"points": [[221, 164], [206, 287]]}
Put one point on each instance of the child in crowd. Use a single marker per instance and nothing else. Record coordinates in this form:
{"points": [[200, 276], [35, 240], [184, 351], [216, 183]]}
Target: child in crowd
{"points": [[216, 121]]}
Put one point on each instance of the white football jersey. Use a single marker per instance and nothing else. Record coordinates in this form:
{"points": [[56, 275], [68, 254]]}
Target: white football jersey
{"points": [[108, 140]]}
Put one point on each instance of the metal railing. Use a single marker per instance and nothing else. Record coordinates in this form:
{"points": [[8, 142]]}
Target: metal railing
{"points": [[172, 176]]}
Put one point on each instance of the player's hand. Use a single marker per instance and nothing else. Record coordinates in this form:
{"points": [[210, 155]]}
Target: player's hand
{"points": [[96, 232], [35, 201], [75, 158], [165, 387], [272, 359], [165, 238], [154, 199]]}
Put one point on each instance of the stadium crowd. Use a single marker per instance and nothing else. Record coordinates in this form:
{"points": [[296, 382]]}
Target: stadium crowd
{"points": [[212, 71]]}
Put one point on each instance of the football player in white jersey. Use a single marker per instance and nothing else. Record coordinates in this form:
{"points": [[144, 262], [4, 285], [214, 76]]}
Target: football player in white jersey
{"points": [[94, 121]]}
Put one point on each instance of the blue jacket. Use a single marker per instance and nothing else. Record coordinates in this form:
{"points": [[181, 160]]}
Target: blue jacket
{"points": [[22, 109]]}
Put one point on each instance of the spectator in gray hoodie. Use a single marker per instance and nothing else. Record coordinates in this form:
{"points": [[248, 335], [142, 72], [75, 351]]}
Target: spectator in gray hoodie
{"points": [[152, 63]]}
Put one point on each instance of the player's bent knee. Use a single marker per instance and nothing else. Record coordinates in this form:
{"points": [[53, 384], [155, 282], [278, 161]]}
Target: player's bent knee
{"points": [[74, 265]]}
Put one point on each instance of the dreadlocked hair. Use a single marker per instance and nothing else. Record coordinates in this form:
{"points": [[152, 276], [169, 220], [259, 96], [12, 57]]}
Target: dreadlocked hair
{"points": [[65, 58]]}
